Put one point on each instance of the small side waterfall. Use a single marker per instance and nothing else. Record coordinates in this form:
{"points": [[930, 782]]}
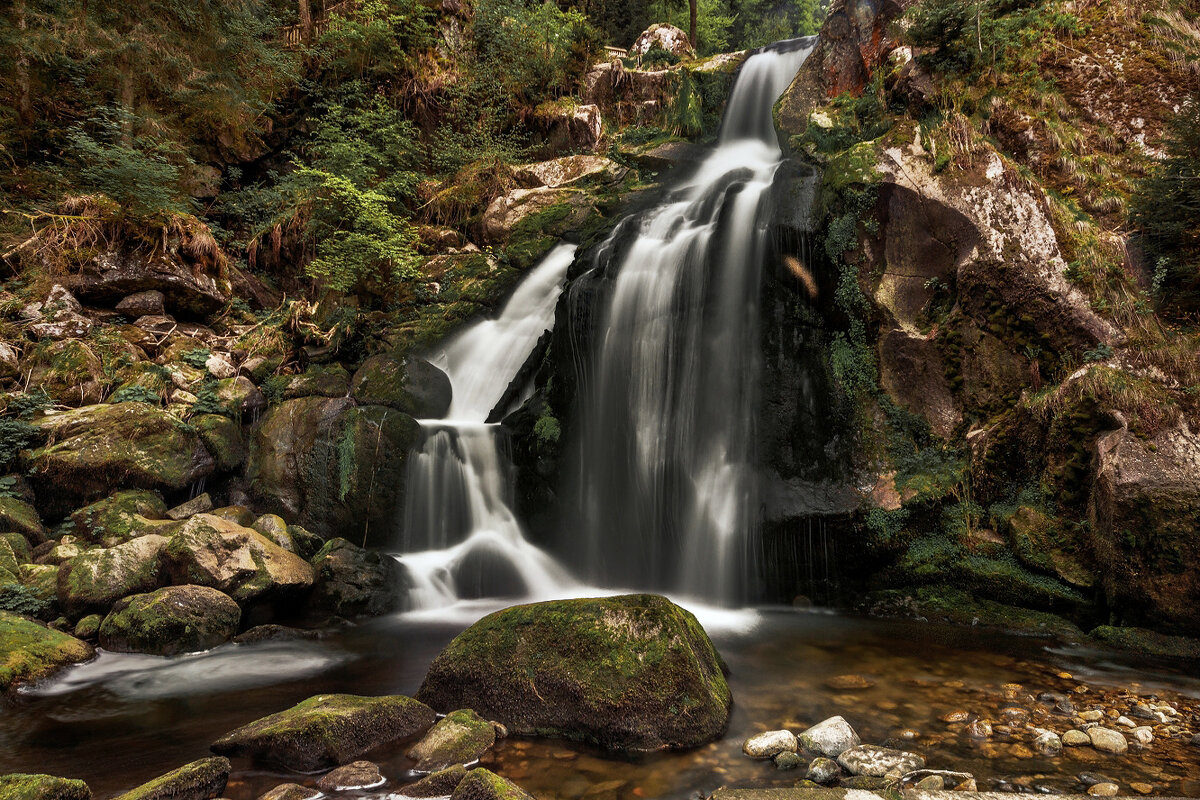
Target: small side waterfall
{"points": [[667, 491], [461, 537]]}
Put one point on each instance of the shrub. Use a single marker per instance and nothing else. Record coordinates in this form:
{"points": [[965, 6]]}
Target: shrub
{"points": [[135, 394]]}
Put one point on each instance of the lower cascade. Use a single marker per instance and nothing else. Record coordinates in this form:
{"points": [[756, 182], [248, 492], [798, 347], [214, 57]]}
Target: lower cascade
{"points": [[461, 538]]}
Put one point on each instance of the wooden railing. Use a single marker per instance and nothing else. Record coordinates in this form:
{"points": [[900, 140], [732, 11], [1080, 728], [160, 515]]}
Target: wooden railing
{"points": [[330, 16], [619, 52]]}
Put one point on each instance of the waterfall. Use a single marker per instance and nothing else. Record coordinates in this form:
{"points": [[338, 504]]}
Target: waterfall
{"points": [[461, 537], [666, 476]]}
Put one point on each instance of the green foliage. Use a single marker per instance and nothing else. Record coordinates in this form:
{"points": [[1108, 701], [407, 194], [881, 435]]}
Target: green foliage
{"points": [[207, 401], [380, 42], [685, 114], [656, 56], [16, 435], [9, 487], [547, 432], [196, 357], [22, 600], [135, 394], [887, 526], [1166, 208], [29, 404], [273, 388]]}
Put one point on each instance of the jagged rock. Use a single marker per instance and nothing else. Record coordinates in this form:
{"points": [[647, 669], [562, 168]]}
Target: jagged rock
{"points": [[331, 466], [356, 776], [829, 738], [439, 784], [142, 304], [327, 730], [169, 621], [407, 384], [769, 744], [544, 211], [189, 288], [634, 672], [30, 652], [568, 170], [460, 737], [121, 517], [199, 780], [664, 37], [566, 128], [58, 317], [95, 579], [10, 361], [19, 786], [95, 449], [351, 581], [219, 366], [200, 504], [482, 784], [1142, 514], [875, 762], [211, 551]]}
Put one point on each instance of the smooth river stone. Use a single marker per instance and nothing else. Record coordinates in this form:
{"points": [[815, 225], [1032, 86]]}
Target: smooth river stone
{"points": [[356, 776], [1106, 740], [769, 744], [830, 737], [823, 770], [1074, 738], [876, 762]]}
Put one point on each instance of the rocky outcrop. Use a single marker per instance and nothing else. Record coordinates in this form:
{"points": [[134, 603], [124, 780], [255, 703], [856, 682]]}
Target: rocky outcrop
{"points": [[191, 287], [327, 731], [569, 170], [629, 673], [543, 211], [352, 582], [173, 620], [407, 384], [1142, 514], [30, 652], [95, 579], [662, 36], [566, 128]]}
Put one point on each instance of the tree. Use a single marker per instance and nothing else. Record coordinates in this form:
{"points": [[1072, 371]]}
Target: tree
{"points": [[306, 20]]}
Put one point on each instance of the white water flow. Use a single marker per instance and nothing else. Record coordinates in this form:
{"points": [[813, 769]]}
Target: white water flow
{"points": [[666, 477], [461, 537]]}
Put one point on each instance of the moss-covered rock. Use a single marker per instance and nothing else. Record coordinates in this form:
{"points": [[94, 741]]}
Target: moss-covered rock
{"points": [[95, 579], [212, 551], [30, 652], [69, 371], [96, 449], [17, 515], [460, 737], [439, 784], [169, 621], [411, 385], [40, 581], [239, 398], [483, 784], [19, 546], [20, 786], [1041, 543], [199, 780], [120, 517], [351, 581], [1140, 640], [319, 381], [88, 628], [634, 672], [332, 466], [327, 730], [223, 437]]}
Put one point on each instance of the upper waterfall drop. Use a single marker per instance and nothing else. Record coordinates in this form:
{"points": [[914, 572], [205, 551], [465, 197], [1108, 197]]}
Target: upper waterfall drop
{"points": [[666, 483]]}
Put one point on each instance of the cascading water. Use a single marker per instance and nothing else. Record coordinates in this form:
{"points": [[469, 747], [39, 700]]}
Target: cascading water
{"points": [[667, 494], [461, 537]]}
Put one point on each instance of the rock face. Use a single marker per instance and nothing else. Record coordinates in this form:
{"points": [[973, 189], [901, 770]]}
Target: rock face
{"points": [[30, 652], [351, 581], [459, 738], [241, 562], [1142, 511], [95, 579], [327, 730], [549, 211], [200, 780], [559, 172], [186, 288], [20, 786], [630, 673], [96, 449], [411, 385], [664, 37], [566, 129], [173, 620], [330, 465]]}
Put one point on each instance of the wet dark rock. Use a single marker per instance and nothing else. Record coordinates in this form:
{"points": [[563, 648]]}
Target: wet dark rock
{"points": [[787, 760], [482, 784], [20, 786], [327, 730], [290, 791], [358, 775], [823, 770], [407, 384], [200, 780], [460, 737], [275, 633], [351, 581], [194, 288], [439, 784], [634, 672], [173, 620]]}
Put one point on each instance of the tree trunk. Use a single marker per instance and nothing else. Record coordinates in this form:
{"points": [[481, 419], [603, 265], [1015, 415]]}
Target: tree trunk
{"points": [[24, 82], [692, 25], [306, 20]]}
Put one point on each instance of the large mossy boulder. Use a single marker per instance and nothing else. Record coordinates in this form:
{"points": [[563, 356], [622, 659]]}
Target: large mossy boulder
{"points": [[213, 551], [327, 731], [352, 582], [411, 385], [331, 466], [169, 621], [634, 672], [95, 579], [199, 780], [1143, 526], [121, 517], [21, 786], [21, 517], [30, 652], [92, 451]]}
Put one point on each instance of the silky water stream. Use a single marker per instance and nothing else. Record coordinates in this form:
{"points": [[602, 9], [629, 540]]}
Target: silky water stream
{"points": [[666, 502]]}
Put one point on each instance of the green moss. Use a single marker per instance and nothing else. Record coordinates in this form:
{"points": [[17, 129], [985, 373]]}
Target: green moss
{"points": [[1140, 640], [30, 652], [20, 786], [120, 517], [203, 778], [177, 619], [482, 784], [460, 737]]}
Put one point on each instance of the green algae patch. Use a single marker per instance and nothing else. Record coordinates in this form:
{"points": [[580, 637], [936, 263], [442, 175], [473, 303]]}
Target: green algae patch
{"points": [[30, 652], [199, 780], [460, 737], [20, 786], [327, 730], [634, 672], [483, 784]]}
